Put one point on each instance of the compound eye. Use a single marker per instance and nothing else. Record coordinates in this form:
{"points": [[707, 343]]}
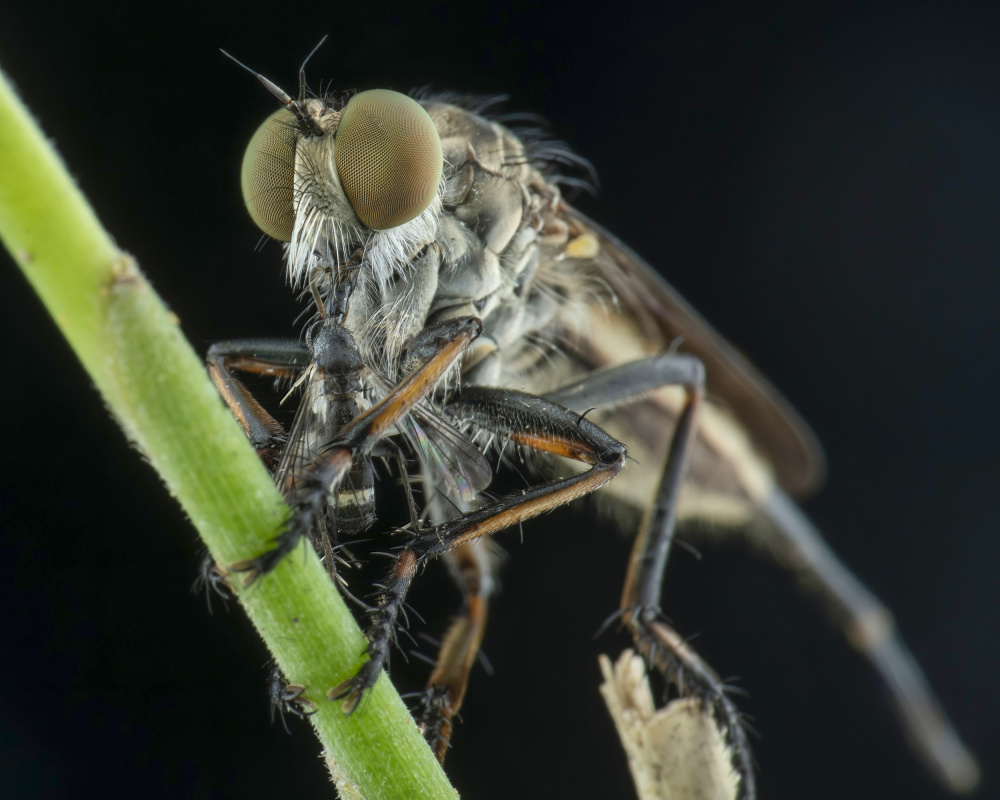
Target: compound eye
{"points": [[388, 157], [266, 177]]}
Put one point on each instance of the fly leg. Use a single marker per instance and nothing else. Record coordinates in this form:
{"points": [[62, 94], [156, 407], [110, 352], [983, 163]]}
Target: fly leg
{"points": [[441, 345], [390, 450], [526, 420], [658, 642], [282, 358], [869, 626], [641, 596], [471, 567]]}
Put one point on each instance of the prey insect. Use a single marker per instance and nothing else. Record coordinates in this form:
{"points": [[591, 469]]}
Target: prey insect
{"points": [[335, 417], [453, 289]]}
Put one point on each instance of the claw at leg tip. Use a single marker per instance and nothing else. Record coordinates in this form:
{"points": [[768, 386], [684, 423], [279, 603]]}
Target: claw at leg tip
{"points": [[352, 695], [250, 567]]}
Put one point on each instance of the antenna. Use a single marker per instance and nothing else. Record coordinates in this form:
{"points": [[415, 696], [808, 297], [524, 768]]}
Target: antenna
{"points": [[302, 69], [295, 106]]}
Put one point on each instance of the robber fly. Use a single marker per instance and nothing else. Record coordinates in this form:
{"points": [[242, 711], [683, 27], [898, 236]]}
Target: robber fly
{"points": [[454, 289]]}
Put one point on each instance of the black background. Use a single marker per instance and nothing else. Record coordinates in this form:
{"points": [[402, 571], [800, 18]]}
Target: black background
{"points": [[821, 184]]}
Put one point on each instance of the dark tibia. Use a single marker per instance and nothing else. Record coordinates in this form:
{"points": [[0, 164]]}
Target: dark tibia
{"points": [[472, 569], [277, 357], [662, 647]]}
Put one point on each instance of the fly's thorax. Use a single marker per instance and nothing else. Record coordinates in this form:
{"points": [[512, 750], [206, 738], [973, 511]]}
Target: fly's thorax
{"points": [[481, 246], [505, 256]]}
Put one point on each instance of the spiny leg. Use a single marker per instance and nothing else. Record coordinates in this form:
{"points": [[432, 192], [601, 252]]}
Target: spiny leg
{"points": [[865, 621], [287, 698], [394, 452], [283, 358], [472, 571], [656, 640], [360, 437], [869, 626], [471, 567], [212, 580], [523, 419]]}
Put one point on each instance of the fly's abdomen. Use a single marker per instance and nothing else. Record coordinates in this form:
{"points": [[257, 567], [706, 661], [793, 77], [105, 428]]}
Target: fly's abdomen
{"points": [[352, 503]]}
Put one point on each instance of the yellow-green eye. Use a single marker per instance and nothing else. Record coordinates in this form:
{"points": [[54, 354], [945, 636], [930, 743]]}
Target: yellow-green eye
{"points": [[268, 171], [388, 157]]}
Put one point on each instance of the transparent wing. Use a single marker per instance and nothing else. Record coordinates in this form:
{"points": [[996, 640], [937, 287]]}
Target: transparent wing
{"points": [[461, 466], [661, 315], [443, 448], [301, 446]]}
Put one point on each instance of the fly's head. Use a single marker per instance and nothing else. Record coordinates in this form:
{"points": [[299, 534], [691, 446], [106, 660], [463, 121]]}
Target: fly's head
{"points": [[352, 187]]}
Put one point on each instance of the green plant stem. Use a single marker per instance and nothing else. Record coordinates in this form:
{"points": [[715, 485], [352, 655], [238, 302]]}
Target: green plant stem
{"points": [[157, 388]]}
